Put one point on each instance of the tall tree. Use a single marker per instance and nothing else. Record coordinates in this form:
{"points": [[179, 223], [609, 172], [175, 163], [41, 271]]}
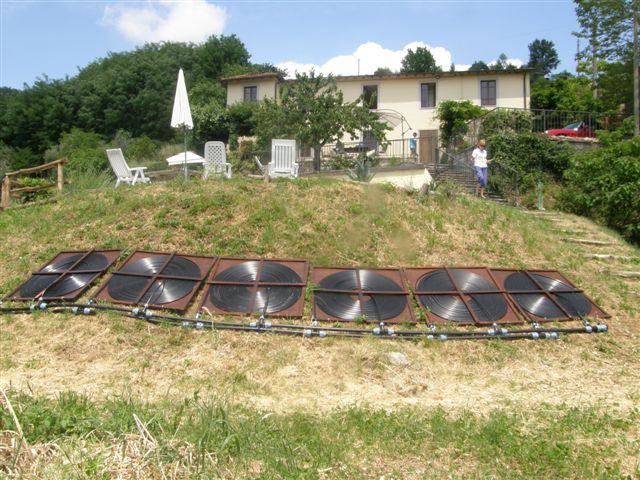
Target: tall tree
{"points": [[312, 110], [543, 58], [420, 61], [383, 71], [478, 66]]}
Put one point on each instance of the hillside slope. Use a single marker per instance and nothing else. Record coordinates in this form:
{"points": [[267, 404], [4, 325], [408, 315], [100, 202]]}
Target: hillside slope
{"points": [[329, 223]]}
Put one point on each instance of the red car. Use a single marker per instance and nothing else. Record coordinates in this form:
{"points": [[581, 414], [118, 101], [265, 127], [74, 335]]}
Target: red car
{"points": [[578, 129]]}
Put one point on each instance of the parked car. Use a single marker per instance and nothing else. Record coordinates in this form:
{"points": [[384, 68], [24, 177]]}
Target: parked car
{"points": [[577, 129]]}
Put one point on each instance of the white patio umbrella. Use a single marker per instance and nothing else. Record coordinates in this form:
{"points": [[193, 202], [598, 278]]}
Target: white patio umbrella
{"points": [[181, 116]]}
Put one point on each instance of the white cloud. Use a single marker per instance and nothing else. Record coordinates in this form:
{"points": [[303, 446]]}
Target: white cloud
{"points": [[370, 57], [164, 20]]}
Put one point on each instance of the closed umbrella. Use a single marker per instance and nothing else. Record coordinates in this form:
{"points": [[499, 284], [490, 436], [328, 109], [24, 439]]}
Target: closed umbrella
{"points": [[181, 116]]}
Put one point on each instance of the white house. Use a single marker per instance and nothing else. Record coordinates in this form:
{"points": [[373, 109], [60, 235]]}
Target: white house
{"points": [[407, 102]]}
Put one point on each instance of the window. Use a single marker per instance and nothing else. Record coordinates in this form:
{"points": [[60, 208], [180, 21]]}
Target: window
{"points": [[427, 95], [370, 96], [251, 94], [369, 141], [487, 92]]}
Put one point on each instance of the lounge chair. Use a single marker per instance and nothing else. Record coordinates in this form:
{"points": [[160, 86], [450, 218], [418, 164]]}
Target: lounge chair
{"points": [[215, 160], [284, 158], [123, 172]]}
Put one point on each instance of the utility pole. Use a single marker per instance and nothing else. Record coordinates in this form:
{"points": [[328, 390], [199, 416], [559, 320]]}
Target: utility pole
{"points": [[636, 70], [594, 64]]}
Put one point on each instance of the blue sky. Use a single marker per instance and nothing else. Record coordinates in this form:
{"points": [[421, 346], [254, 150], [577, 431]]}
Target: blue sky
{"points": [[55, 38]]}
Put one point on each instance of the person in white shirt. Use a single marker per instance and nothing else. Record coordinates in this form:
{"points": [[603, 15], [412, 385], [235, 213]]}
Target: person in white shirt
{"points": [[480, 165]]}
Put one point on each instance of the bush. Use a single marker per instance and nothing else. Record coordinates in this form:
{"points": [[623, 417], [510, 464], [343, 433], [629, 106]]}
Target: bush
{"points": [[142, 148], [604, 184], [505, 121], [85, 151], [454, 120], [531, 154]]}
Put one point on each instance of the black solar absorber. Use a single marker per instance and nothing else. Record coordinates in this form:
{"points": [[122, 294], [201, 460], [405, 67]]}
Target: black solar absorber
{"points": [[550, 297], [256, 287], [487, 307], [360, 295], [135, 288], [66, 276]]}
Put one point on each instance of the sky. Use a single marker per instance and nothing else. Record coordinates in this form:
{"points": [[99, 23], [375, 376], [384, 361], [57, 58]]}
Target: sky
{"points": [[55, 38]]}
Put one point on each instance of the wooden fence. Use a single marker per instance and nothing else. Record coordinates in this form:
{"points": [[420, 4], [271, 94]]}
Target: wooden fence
{"points": [[7, 191]]}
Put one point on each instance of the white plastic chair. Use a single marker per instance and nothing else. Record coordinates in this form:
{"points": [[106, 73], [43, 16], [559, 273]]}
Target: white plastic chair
{"points": [[284, 158], [123, 172], [215, 160]]}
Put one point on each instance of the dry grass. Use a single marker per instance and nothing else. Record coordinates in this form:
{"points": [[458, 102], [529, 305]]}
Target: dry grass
{"points": [[330, 224]]}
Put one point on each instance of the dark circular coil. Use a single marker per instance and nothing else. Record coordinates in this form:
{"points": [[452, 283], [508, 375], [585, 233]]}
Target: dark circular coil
{"points": [[538, 304], [128, 288], [238, 298], [94, 261], [47, 283], [487, 307], [152, 266], [347, 306]]}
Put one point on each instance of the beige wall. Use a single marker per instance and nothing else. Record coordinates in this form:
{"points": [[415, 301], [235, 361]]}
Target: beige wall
{"points": [[403, 95], [266, 89]]}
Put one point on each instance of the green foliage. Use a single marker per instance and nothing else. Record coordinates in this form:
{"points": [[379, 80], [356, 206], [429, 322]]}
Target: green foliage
{"points": [[503, 63], [605, 185], [383, 71], [142, 148], [543, 58], [196, 438], [84, 151], [530, 153], [361, 171], [241, 117], [25, 182], [563, 92], [130, 91], [312, 110], [505, 121], [454, 119], [420, 61], [478, 66]]}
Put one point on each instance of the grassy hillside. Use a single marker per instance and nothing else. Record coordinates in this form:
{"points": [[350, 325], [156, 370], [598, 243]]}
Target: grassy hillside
{"points": [[233, 405]]}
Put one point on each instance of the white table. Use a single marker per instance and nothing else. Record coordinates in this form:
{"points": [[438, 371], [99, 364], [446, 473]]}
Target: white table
{"points": [[192, 158]]}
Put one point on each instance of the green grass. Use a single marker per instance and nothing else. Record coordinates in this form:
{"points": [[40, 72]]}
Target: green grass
{"points": [[208, 438]]}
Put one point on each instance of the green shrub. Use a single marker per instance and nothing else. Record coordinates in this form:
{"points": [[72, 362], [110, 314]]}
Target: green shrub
{"points": [[85, 151], [142, 148], [25, 182], [605, 184], [454, 120], [530, 154], [505, 121]]}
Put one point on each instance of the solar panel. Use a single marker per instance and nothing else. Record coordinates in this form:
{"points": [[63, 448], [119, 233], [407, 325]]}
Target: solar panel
{"points": [[252, 286], [156, 279], [464, 295], [353, 294], [66, 276], [545, 295]]}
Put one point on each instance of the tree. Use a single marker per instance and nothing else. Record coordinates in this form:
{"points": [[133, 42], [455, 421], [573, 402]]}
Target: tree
{"points": [[503, 63], [420, 61], [543, 58], [383, 71], [454, 120], [312, 110], [478, 66]]}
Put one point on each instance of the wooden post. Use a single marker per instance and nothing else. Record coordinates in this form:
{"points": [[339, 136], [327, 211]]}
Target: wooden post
{"points": [[60, 183], [6, 193]]}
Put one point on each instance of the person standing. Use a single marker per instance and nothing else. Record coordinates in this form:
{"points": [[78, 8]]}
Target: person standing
{"points": [[413, 146], [481, 167]]}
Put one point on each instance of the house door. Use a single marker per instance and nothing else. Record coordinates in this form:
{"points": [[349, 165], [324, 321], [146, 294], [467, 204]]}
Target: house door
{"points": [[428, 142]]}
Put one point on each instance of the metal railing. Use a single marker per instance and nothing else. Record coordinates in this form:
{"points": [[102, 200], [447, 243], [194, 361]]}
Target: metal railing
{"points": [[339, 156]]}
